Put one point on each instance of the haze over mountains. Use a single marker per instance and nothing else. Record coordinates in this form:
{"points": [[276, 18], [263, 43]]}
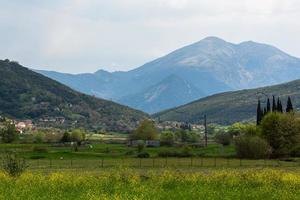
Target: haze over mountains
{"points": [[209, 66]]}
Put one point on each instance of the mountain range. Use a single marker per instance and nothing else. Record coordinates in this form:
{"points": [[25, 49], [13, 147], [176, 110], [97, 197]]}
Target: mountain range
{"points": [[25, 94], [207, 67]]}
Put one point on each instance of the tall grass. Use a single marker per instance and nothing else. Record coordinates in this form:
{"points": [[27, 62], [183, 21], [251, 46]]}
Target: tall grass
{"points": [[170, 184]]}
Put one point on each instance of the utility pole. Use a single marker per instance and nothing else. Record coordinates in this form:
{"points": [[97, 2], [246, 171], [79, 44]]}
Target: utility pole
{"points": [[205, 130]]}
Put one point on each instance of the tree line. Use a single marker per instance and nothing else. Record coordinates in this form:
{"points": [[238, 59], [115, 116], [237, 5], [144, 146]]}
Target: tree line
{"points": [[276, 107]]}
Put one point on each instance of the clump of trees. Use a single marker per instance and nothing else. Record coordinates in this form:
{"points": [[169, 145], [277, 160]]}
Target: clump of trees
{"points": [[276, 107], [282, 132], [145, 131], [250, 144], [277, 133], [76, 135], [9, 133]]}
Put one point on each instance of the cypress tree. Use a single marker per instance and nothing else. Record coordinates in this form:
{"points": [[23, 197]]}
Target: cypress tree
{"points": [[259, 113], [289, 105], [274, 107], [280, 109], [268, 106], [264, 112]]}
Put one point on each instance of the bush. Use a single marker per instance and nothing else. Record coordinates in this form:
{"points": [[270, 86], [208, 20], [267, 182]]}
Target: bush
{"points": [[282, 131], [186, 152], [129, 152], [143, 155], [40, 149], [37, 157], [167, 153], [145, 131], [9, 133], [223, 138], [252, 147], [167, 138], [140, 146], [13, 165]]}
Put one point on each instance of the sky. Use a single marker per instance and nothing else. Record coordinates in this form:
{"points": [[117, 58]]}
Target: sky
{"points": [[77, 36]]}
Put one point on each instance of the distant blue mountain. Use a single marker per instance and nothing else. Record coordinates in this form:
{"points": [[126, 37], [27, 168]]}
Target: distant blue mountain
{"points": [[209, 66]]}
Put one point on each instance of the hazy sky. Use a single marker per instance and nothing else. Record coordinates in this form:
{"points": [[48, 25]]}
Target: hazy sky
{"points": [[86, 35]]}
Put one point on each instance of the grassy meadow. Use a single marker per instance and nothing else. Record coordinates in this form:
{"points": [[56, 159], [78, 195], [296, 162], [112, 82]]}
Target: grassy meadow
{"points": [[125, 183]]}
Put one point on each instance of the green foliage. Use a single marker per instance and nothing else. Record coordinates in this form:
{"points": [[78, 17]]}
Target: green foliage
{"points": [[250, 130], [39, 138], [140, 146], [186, 151], [40, 149], [143, 155], [223, 138], [145, 131], [167, 138], [66, 137], [9, 133], [78, 136], [236, 129], [186, 136], [289, 106], [282, 131], [13, 165], [252, 147]]}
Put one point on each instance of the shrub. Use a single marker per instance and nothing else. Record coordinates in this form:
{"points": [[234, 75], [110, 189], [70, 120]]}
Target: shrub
{"points": [[37, 157], [167, 153], [143, 155], [252, 147], [282, 131], [223, 138], [9, 133], [145, 131], [129, 152], [167, 138], [13, 165], [40, 149], [186, 152], [39, 138], [140, 146]]}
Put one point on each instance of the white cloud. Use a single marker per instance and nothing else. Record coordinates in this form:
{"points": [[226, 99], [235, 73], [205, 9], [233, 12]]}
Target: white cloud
{"points": [[85, 35]]}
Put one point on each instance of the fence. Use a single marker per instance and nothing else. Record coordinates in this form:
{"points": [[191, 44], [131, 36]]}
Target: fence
{"points": [[155, 163]]}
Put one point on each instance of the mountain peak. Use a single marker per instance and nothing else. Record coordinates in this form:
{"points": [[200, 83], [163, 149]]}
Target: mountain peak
{"points": [[213, 39]]}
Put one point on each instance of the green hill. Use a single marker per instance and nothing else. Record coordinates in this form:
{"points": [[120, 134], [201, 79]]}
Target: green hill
{"points": [[229, 107], [25, 94]]}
